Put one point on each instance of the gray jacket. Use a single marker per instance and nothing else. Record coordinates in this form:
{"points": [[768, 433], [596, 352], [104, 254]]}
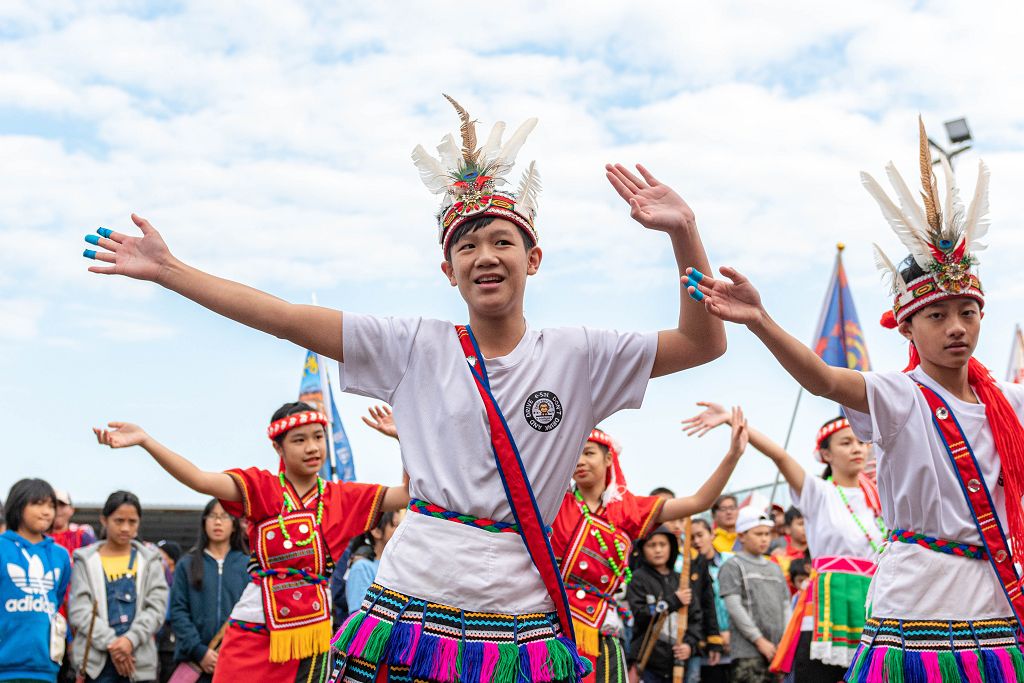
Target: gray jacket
{"points": [[88, 583]]}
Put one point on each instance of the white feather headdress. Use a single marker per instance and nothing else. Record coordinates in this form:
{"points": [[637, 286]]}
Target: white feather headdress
{"points": [[470, 176], [939, 234]]}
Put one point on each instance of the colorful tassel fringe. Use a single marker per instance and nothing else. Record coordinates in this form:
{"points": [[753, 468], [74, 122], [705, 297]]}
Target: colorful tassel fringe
{"points": [[451, 661], [883, 664]]}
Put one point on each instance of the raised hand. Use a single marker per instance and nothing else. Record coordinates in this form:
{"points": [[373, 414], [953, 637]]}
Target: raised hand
{"points": [[702, 423], [382, 420], [651, 204], [120, 435], [740, 433], [142, 258], [737, 301]]}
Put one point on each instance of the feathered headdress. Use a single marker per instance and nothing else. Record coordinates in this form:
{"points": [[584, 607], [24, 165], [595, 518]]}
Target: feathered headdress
{"points": [[941, 236], [469, 177]]}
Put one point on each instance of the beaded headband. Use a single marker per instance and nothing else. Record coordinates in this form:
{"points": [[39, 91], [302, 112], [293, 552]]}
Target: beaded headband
{"points": [[827, 431], [289, 422], [942, 236], [470, 178], [614, 478]]}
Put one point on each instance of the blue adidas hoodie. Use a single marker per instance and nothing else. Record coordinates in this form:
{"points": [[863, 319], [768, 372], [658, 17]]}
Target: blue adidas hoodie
{"points": [[34, 578]]}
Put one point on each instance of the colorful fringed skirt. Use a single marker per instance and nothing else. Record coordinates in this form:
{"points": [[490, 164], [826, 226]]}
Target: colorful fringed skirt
{"points": [[396, 637], [835, 599], [983, 651]]}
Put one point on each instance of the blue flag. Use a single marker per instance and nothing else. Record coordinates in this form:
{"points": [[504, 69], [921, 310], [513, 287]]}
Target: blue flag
{"points": [[315, 389], [840, 340]]}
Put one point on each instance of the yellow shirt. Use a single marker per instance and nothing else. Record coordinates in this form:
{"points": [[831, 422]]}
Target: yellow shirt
{"points": [[117, 567], [724, 541]]}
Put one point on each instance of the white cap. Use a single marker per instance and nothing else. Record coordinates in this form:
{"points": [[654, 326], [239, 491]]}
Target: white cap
{"points": [[62, 496], [750, 517]]}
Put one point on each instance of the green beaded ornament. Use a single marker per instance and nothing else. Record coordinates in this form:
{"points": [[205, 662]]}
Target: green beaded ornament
{"points": [[292, 506], [620, 549]]}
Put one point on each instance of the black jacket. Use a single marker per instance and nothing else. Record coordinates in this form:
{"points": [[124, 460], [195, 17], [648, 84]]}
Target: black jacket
{"points": [[704, 592], [651, 591]]}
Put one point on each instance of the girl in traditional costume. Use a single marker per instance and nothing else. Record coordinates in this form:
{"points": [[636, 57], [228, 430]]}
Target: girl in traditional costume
{"points": [[280, 629], [593, 534], [845, 533], [493, 415], [946, 596]]}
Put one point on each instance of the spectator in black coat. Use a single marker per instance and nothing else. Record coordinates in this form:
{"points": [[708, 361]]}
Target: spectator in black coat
{"points": [[655, 590]]}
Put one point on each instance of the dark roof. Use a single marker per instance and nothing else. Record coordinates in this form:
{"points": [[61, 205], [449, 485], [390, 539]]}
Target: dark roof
{"points": [[179, 524]]}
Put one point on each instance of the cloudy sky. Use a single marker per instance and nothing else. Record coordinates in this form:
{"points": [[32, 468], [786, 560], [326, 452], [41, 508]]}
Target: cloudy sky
{"points": [[269, 142]]}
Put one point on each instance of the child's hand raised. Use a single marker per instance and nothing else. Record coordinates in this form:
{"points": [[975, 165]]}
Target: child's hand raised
{"points": [[737, 301], [651, 204], [142, 258], [740, 433], [382, 420], [120, 435], [702, 423]]}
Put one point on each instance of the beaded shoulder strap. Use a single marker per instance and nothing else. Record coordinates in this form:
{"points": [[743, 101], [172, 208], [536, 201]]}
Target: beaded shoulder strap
{"points": [[517, 485], [979, 500]]}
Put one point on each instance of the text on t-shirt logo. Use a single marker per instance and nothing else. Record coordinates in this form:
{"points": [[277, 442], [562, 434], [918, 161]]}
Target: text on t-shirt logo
{"points": [[543, 411]]}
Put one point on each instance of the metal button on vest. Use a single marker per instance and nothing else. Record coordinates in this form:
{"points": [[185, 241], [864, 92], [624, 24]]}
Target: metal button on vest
{"points": [[580, 594], [583, 564], [287, 545], [297, 595], [942, 413], [270, 535], [303, 529], [973, 485], [604, 578], [590, 609], [1000, 556], [285, 611], [316, 604]]}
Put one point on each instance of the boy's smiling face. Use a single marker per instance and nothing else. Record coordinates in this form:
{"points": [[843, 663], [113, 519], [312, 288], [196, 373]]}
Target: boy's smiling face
{"points": [[490, 266]]}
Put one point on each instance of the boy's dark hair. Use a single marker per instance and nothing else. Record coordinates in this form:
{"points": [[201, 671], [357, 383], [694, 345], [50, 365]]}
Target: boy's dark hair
{"points": [[119, 498], [798, 567], [26, 492], [286, 410], [721, 499], [793, 513], [663, 491], [475, 224]]}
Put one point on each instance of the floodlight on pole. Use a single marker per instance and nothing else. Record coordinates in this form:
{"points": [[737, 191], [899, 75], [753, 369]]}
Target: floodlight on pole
{"points": [[959, 134]]}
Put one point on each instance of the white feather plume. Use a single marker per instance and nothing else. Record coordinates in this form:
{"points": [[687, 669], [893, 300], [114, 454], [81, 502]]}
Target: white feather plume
{"points": [[489, 152], [977, 221], [432, 173], [529, 188], [953, 210], [900, 223], [885, 265], [506, 158], [913, 212], [451, 153]]}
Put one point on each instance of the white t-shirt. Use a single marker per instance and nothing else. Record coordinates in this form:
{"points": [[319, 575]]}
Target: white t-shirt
{"points": [[831, 530], [921, 493], [553, 388]]}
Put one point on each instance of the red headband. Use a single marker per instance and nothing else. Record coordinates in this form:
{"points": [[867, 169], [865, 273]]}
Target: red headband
{"points": [[279, 427], [830, 429]]}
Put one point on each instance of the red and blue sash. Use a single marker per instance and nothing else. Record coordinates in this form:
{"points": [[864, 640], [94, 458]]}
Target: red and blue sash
{"points": [[978, 498], [520, 497]]}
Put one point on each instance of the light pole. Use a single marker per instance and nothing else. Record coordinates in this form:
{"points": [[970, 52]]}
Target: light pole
{"points": [[959, 134]]}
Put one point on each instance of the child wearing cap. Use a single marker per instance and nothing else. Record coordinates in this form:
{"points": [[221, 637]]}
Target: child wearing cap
{"points": [[756, 596]]}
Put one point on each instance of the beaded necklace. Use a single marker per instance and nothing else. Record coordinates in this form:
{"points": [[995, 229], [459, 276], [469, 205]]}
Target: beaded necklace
{"points": [[292, 506], [620, 549], [878, 520]]}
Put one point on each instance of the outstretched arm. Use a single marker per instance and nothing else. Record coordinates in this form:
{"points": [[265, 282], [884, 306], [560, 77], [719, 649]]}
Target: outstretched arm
{"points": [[215, 484], [697, 338], [678, 508], [739, 302], [715, 415], [148, 258]]}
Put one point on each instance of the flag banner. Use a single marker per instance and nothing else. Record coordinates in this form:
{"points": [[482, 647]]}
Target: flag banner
{"points": [[315, 389], [1015, 373], [840, 341]]}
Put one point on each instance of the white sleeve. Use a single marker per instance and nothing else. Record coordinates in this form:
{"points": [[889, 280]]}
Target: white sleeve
{"points": [[812, 497], [891, 400], [620, 367], [377, 353]]}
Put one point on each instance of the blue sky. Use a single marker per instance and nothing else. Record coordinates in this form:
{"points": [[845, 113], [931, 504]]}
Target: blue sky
{"points": [[271, 144]]}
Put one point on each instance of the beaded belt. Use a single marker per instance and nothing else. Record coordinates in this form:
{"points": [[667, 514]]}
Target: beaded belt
{"points": [[284, 573], [431, 510], [974, 552]]}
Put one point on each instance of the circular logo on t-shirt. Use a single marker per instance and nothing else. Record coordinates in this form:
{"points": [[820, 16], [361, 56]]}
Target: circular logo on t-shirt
{"points": [[543, 411]]}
